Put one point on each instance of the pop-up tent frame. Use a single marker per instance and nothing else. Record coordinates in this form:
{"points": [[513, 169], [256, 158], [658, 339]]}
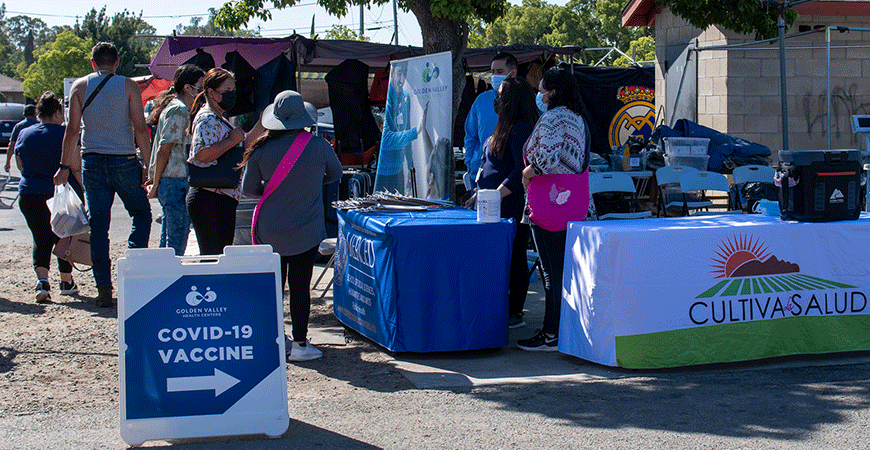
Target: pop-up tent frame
{"points": [[318, 55]]}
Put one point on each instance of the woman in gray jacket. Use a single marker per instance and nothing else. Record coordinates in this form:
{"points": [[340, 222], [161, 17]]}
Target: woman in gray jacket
{"points": [[291, 219]]}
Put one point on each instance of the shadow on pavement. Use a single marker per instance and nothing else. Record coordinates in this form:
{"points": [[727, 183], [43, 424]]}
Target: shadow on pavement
{"points": [[298, 435], [783, 404], [7, 355], [7, 305]]}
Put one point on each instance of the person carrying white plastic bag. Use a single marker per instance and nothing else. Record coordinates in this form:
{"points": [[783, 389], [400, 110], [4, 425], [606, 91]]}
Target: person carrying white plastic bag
{"points": [[68, 216]]}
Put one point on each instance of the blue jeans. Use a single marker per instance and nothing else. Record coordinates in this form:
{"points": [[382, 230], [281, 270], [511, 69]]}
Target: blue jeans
{"points": [[172, 193], [551, 250], [103, 177]]}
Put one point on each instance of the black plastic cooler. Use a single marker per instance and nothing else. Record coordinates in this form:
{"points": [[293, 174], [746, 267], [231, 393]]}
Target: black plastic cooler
{"points": [[820, 185]]}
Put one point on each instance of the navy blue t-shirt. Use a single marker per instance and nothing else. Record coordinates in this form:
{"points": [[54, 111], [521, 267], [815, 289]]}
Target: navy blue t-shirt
{"points": [[39, 148], [507, 170], [20, 126]]}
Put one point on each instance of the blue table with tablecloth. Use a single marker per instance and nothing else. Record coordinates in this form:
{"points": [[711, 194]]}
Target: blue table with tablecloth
{"points": [[425, 281]]}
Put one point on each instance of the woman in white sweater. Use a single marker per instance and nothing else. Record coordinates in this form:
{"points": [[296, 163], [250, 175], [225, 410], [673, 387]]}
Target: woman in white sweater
{"points": [[559, 144]]}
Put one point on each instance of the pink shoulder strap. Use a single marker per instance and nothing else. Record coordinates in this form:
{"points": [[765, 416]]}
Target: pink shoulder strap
{"points": [[278, 176]]}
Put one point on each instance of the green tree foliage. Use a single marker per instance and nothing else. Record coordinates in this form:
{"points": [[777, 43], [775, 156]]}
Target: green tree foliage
{"points": [[67, 57], [588, 23], [341, 32], [645, 47], [208, 28], [122, 30], [8, 57], [741, 16]]}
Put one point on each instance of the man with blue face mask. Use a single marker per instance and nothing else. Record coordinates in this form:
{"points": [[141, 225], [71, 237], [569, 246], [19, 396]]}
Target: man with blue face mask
{"points": [[482, 118]]}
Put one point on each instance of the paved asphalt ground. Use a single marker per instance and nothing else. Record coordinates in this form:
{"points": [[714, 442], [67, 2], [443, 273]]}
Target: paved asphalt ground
{"points": [[508, 398]]}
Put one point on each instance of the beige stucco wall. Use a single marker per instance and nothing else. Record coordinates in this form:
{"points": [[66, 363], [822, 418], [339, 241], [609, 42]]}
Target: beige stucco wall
{"points": [[739, 90]]}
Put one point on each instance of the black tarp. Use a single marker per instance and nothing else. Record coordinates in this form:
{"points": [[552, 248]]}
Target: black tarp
{"points": [[355, 127], [246, 78], [274, 77], [600, 88]]}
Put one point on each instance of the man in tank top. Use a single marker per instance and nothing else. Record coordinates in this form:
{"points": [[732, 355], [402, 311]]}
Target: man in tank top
{"points": [[107, 110]]}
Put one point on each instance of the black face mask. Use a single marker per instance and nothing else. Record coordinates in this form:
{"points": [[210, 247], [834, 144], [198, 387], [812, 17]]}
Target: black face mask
{"points": [[228, 100], [495, 102]]}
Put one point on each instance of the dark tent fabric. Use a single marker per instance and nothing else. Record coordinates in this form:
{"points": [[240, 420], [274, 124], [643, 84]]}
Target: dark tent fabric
{"points": [[611, 118], [201, 59], [322, 55], [246, 77], [274, 77], [355, 127], [468, 96]]}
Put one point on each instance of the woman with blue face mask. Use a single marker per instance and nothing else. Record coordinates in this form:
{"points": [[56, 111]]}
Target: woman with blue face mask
{"points": [[558, 145]]}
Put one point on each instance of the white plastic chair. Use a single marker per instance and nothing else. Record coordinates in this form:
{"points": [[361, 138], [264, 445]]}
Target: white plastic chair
{"points": [[751, 173], [601, 182], [703, 181], [668, 179]]}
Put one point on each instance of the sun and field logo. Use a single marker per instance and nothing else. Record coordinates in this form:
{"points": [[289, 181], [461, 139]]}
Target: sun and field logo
{"points": [[750, 268], [636, 118]]}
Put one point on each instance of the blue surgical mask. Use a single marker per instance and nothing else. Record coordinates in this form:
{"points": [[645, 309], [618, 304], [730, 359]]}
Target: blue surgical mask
{"points": [[539, 99], [497, 79]]}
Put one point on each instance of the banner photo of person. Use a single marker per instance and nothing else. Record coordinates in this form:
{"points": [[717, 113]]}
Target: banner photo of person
{"points": [[621, 103], [415, 156]]}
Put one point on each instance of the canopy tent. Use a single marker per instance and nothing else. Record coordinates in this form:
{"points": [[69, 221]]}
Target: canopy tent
{"points": [[318, 55], [151, 86]]}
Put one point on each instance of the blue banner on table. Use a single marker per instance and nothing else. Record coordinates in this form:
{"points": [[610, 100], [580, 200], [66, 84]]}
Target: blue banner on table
{"points": [[424, 281], [363, 274]]}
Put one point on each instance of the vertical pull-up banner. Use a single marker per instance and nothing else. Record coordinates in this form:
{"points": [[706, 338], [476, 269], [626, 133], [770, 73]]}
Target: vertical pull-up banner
{"points": [[416, 148]]}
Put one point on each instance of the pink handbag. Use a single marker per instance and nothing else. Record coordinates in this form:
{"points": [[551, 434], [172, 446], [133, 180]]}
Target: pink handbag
{"points": [[278, 176], [555, 200]]}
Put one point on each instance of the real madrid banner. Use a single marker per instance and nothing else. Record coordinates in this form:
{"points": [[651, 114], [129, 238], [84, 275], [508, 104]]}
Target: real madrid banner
{"points": [[416, 150], [717, 289], [621, 103]]}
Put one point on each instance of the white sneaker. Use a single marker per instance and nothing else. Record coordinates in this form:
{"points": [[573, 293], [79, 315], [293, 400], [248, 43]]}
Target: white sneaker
{"points": [[303, 353]]}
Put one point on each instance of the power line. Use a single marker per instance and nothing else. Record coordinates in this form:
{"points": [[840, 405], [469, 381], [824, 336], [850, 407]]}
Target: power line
{"points": [[171, 16]]}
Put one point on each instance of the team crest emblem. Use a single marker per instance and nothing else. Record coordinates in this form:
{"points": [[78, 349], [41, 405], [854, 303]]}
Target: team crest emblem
{"points": [[636, 118]]}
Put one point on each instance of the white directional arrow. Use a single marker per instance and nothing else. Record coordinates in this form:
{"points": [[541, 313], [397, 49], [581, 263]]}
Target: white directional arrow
{"points": [[219, 382]]}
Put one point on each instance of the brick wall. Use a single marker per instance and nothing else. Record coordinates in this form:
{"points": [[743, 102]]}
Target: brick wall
{"points": [[739, 90]]}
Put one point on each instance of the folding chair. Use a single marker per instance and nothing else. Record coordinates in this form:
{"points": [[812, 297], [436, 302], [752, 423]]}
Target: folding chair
{"points": [[750, 174], [327, 247], [617, 183], [466, 179], [703, 181], [3, 185], [668, 179]]}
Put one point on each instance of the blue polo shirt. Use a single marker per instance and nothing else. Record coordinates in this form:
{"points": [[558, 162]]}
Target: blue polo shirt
{"points": [[39, 148], [20, 126], [479, 126]]}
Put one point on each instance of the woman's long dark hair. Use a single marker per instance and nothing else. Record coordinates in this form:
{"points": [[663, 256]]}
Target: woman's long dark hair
{"points": [[567, 90], [184, 75], [261, 141], [515, 102], [213, 80]]}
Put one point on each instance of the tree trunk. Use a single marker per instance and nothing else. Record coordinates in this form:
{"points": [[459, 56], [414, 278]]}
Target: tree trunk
{"points": [[440, 35]]}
